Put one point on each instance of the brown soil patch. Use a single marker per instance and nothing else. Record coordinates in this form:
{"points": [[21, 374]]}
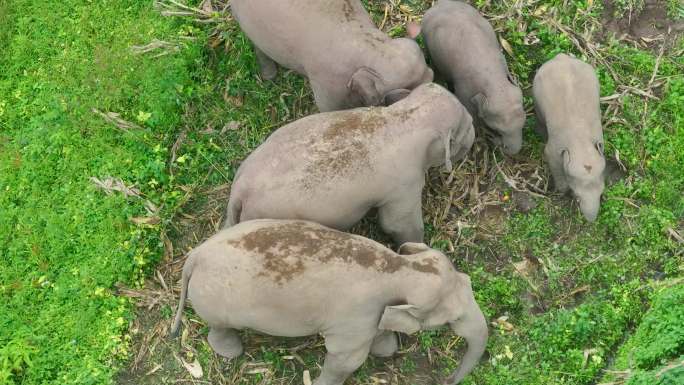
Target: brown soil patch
{"points": [[492, 221], [651, 26], [523, 201]]}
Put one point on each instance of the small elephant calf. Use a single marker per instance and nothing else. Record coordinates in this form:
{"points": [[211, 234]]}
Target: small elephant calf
{"points": [[566, 93], [332, 168], [464, 49], [298, 278]]}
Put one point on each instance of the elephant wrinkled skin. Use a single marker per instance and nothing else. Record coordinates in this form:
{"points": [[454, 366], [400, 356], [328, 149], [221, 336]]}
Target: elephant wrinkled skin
{"points": [[298, 278], [332, 168], [465, 51], [566, 93]]}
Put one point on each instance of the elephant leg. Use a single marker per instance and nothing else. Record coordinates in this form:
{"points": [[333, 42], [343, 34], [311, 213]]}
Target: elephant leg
{"points": [[540, 127], [385, 344], [267, 67], [225, 342], [556, 167], [344, 356], [403, 220]]}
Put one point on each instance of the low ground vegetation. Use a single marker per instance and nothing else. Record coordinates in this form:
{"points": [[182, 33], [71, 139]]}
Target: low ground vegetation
{"points": [[160, 103]]}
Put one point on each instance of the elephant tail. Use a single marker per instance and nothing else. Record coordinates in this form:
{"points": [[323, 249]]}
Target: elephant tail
{"points": [[185, 279], [234, 212]]}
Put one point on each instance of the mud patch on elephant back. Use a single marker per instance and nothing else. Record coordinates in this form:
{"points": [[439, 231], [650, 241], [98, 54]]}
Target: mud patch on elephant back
{"points": [[282, 269], [287, 248], [352, 124], [331, 162], [425, 266], [344, 148]]}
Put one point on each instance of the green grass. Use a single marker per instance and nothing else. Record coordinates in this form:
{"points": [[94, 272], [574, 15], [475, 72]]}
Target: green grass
{"points": [[64, 244], [675, 9], [628, 7], [603, 297], [654, 354]]}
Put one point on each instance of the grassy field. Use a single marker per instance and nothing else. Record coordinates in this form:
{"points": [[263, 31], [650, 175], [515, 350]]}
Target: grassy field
{"points": [[64, 244], [161, 110]]}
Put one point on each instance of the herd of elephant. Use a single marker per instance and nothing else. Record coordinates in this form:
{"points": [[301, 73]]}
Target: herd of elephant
{"points": [[284, 266]]}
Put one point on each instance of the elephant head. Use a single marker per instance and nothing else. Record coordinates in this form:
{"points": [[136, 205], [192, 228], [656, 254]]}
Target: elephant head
{"points": [[584, 171], [390, 78], [501, 109], [448, 300]]}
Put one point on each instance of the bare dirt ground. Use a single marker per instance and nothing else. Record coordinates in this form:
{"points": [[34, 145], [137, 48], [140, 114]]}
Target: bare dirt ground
{"points": [[648, 27]]}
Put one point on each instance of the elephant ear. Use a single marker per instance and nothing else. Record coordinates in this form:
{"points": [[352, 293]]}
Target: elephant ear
{"points": [[364, 85], [565, 158], [410, 248], [480, 103], [399, 318], [395, 96], [599, 147]]}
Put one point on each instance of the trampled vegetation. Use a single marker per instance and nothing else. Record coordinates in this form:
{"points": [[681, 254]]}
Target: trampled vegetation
{"points": [[162, 109]]}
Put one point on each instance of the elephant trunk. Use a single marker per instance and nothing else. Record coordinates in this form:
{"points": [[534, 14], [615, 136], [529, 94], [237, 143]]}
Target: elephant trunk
{"points": [[512, 143], [589, 206], [473, 328]]}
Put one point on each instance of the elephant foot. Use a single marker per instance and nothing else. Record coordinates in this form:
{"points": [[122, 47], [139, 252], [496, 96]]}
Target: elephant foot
{"points": [[225, 342], [563, 189], [385, 345], [561, 186], [269, 71]]}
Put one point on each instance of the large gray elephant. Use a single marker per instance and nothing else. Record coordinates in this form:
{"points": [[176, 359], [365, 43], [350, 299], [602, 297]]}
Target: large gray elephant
{"points": [[567, 93], [465, 51], [333, 167], [298, 278], [348, 60]]}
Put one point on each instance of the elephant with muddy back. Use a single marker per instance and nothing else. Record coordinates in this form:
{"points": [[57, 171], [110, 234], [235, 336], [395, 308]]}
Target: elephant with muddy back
{"points": [[297, 278], [332, 168]]}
